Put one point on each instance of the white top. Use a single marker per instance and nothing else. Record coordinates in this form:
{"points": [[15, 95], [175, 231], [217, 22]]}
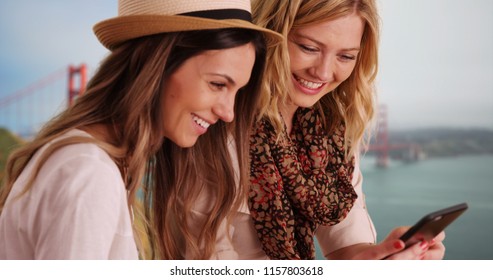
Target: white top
{"points": [[239, 239], [76, 209]]}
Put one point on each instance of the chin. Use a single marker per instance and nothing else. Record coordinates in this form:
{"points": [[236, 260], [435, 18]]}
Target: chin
{"points": [[306, 103], [188, 144], [184, 143]]}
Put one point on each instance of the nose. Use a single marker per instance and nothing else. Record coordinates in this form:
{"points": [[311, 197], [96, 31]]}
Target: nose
{"points": [[323, 69], [224, 108]]}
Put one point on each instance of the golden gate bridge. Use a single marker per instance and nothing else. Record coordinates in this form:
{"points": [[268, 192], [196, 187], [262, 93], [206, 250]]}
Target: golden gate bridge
{"points": [[25, 111], [382, 145]]}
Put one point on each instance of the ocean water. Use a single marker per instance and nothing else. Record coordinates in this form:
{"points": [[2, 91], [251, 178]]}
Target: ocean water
{"points": [[404, 192]]}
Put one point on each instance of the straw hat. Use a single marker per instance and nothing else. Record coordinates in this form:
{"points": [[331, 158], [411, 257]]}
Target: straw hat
{"points": [[137, 18]]}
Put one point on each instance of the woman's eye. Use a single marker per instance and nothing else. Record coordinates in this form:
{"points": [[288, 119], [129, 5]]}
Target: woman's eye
{"points": [[348, 57], [217, 85], [307, 48]]}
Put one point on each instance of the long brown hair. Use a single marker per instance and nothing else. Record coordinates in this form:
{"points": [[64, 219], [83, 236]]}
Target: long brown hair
{"points": [[353, 101], [182, 174], [124, 96], [121, 95]]}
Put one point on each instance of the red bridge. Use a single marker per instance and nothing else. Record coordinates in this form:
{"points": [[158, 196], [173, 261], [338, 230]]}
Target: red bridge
{"points": [[382, 147], [25, 111]]}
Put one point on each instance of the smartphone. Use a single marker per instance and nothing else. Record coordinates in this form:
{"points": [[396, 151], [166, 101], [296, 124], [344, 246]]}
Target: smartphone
{"points": [[432, 224]]}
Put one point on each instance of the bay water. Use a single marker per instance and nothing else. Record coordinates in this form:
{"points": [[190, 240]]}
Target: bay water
{"points": [[402, 193]]}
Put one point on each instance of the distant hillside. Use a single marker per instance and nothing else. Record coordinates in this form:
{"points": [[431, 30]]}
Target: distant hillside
{"points": [[440, 142], [8, 141]]}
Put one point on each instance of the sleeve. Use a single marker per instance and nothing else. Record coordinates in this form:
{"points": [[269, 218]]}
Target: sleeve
{"points": [[356, 228], [79, 208]]}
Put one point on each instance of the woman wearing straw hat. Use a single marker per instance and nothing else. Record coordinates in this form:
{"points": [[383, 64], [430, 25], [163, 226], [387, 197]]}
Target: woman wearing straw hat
{"points": [[177, 74]]}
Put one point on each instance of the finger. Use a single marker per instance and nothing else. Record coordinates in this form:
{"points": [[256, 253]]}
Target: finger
{"points": [[414, 252], [435, 252], [437, 239], [387, 248], [440, 237]]}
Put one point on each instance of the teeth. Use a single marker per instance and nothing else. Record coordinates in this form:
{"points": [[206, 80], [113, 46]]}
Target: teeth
{"points": [[308, 84], [201, 122]]}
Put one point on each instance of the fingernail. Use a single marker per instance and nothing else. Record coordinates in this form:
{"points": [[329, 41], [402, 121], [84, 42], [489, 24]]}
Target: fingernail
{"points": [[424, 245], [398, 245]]}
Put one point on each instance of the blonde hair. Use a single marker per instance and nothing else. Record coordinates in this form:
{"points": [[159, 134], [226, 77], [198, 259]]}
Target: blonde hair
{"points": [[353, 101]]}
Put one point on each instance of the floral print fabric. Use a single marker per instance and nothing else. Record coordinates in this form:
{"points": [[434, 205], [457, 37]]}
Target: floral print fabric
{"points": [[298, 182]]}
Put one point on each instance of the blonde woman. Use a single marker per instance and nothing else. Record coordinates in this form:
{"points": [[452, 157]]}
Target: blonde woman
{"points": [[305, 177], [305, 181], [178, 71]]}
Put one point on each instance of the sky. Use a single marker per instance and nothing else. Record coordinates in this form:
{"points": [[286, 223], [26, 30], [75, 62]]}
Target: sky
{"points": [[435, 70]]}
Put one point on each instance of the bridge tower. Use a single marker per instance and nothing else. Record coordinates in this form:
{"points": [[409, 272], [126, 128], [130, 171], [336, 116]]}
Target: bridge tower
{"points": [[73, 73]]}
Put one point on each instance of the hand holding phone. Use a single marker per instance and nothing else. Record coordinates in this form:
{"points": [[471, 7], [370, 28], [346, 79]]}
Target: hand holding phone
{"points": [[432, 224]]}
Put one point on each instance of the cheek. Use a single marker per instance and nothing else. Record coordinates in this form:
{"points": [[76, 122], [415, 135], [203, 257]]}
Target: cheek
{"points": [[172, 96], [344, 73], [164, 116], [168, 105], [340, 77], [166, 99], [300, 62], [348, 73], [297, 60]]}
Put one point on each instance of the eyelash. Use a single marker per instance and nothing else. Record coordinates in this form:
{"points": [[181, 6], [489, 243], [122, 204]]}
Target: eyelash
{"points": [[218, 85], [348, 57], [311, 50], [307, 49]]}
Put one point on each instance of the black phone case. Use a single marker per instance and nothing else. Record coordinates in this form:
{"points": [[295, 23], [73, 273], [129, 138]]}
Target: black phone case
{"points": [[433, 223]]}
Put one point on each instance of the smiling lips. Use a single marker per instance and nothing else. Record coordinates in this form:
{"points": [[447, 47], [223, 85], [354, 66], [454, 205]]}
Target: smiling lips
{"points": [[201, 121], [308, 84]]}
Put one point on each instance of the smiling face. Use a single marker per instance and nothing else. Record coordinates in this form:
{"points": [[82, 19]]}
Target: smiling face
{"points": [[322, 56], [202, 91]]}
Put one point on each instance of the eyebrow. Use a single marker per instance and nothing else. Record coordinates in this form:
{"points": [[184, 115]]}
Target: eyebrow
{"points": [[230, 80], [320, 43]]}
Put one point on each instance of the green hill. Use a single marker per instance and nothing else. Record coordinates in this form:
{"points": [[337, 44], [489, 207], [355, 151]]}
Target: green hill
{"points": [[8, 142]]}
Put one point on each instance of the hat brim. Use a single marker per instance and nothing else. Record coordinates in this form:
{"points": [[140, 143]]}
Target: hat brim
{"points": [[114, 31]]}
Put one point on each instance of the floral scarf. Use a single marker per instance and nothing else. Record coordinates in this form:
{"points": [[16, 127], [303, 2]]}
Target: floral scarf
{"points": [[298, 183]]}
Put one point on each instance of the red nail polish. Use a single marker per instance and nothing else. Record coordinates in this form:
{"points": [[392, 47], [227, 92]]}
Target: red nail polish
{"points": [[398, 245], [424, 245]]}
